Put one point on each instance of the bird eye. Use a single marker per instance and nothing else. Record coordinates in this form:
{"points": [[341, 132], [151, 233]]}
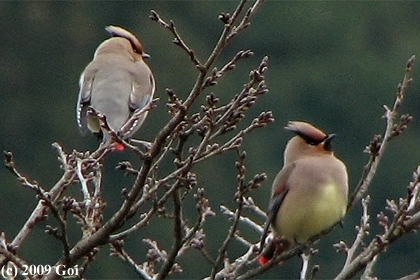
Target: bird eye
{"points": [[312, 142], [308, 139]]}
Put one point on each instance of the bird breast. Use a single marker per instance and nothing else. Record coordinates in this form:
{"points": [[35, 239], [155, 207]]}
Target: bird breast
{"points": [[317, 199]]}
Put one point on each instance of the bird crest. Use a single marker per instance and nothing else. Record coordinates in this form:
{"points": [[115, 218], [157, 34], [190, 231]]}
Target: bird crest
{"points": [[117, 31], [308, 132]]}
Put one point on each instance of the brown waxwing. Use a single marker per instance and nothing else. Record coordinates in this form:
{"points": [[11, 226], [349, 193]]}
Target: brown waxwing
{"points": [[116, 83], [309, 195]]}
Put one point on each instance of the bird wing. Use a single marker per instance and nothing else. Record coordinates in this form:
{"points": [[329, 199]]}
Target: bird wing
{"points": [[280, 190], [143, 87], [83, 102]]}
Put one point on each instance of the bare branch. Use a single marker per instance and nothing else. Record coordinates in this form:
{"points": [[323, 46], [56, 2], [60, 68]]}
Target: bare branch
{"points": [[242, 219], [400, 225], [414, 276], [379, 144], [305, 264], [40, 211], [177, 40], [170, 260], [120, 252], [188, 139]]}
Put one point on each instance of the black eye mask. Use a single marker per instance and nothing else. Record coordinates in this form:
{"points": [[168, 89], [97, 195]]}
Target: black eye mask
{"points": [[310, 140]]}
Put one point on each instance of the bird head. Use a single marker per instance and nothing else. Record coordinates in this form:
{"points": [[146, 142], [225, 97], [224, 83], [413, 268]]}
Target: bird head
{"points": [[117, 31], [309, 140], [122, 42]]}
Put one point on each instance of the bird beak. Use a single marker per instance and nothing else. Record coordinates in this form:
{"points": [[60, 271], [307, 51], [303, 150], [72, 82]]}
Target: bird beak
{"points": [[145, 55], [327, 142]]}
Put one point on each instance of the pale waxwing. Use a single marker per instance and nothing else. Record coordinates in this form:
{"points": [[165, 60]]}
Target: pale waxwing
{"points": [[309, 194], [116, 83]]}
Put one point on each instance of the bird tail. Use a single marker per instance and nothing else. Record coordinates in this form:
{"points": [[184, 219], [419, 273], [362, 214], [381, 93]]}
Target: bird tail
{"points": [[274, 247]]}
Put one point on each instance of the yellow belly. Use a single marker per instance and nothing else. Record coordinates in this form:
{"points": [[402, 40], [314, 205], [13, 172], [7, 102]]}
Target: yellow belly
{"points": [[307, 213]]}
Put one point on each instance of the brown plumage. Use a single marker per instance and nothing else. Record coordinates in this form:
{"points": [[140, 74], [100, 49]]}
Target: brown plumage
{"points": [[309, 195], [116, 83]]}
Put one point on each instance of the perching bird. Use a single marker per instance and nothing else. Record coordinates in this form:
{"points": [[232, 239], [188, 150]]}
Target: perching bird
{"points": [[309, 195], [116, 83]]}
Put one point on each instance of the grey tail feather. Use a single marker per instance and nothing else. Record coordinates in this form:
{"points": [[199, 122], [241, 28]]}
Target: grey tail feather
{"points": [[100, 136]]}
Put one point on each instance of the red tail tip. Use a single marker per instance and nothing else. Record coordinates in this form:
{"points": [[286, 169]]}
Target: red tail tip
{"points": [[119, 147], [263, 260]]}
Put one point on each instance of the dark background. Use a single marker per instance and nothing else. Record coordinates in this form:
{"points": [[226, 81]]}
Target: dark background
{"points": [[330, 63]]}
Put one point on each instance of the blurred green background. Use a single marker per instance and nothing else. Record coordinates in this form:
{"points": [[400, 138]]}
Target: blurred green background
{"points": [[330, 63]]}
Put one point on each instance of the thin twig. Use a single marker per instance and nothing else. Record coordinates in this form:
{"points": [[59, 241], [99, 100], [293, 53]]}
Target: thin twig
{"points": [[170, 260], [305, 264], [40, 210], [413, 276], [124, 255], [86, 195], [390, 115], [247, 221], [362, 231], [238, 213], [177, 40]]}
